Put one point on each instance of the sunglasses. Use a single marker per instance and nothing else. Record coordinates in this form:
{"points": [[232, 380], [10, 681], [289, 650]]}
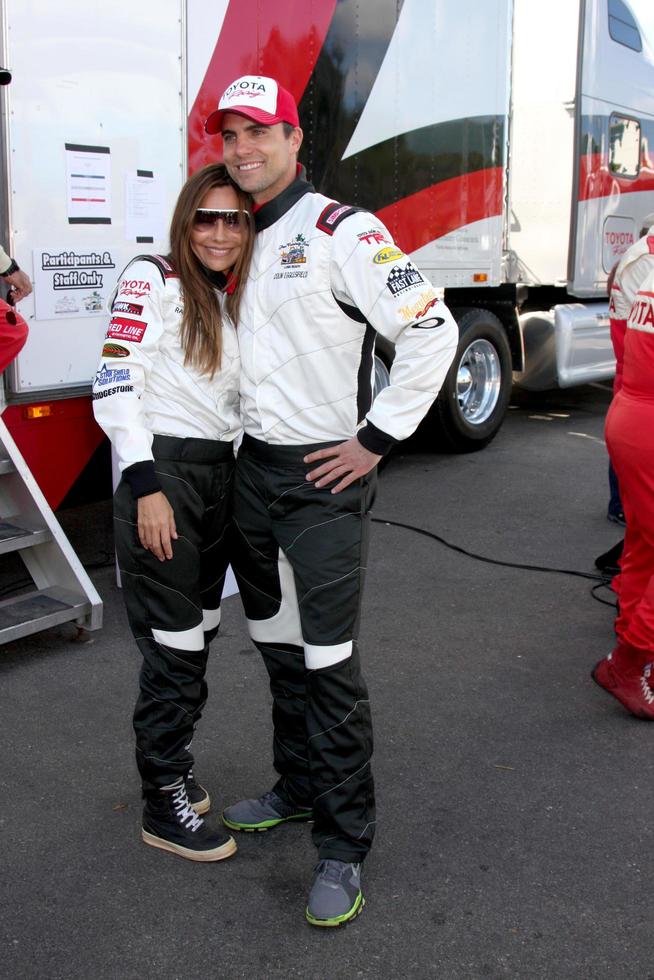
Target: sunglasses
{"points": [[207, 217]]}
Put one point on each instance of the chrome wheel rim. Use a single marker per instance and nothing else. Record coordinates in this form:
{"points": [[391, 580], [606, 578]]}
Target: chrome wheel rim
{"points": [[478, 382]]}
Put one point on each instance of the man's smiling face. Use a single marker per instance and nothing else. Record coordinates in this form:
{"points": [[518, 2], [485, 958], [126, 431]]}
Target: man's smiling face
{"points": [[261, 159]]}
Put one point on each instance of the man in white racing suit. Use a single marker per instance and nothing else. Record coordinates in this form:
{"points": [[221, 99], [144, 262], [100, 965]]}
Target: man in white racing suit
{"points": [[324, 278]]}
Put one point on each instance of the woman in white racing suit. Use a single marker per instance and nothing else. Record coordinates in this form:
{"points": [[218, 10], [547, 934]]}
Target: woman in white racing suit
{"points": [[166, 394]]}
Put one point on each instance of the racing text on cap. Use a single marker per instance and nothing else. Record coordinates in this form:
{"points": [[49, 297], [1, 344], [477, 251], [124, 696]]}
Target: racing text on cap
{"points": [[253, 90]]}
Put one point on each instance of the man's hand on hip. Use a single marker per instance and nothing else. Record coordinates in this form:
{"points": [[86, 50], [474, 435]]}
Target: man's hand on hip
{"points": [[346, 463]]}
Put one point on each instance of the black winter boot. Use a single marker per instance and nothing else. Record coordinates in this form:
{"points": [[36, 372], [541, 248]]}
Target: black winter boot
{"points": [[170, 823]]}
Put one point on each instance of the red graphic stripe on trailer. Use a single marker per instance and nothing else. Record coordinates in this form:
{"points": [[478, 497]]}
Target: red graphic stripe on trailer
{"points": [[437, 210], [282, 40], [70, 428], [596, 180]]}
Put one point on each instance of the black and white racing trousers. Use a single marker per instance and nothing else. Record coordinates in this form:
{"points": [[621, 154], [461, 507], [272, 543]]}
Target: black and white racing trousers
{"points": [[299, 554], [173, 607]]}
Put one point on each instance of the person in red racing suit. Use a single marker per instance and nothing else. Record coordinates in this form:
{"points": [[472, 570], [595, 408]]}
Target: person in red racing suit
{"points": [[13, 334], [626, 671], [623, 282]]}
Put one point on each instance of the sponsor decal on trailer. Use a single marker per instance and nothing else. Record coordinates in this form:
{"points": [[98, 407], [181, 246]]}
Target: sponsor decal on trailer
{"points": [[400, 279], [121, 328]]}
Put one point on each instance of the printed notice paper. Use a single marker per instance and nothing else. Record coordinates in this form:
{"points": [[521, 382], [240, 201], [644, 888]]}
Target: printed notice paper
{"points": [[145, 207], [88, 177]]}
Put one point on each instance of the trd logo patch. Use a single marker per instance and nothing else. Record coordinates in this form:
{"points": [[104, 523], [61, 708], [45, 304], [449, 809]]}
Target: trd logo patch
{"points": [[373, 237], [399, 280]]}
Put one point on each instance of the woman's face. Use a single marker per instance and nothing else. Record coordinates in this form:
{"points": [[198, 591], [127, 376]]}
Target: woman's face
{"points": [[215, 243]]}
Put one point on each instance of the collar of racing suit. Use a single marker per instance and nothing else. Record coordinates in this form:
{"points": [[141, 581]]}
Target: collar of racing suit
{"points": [[272, 211], [225, 283]]}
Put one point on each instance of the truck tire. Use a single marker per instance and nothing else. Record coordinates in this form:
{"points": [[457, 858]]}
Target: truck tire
{"points": [[382, 380], [382, 374], [473, 401]]}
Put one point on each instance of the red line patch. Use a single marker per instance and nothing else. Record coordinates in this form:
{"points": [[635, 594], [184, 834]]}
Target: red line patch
{"points": [[120, 328]]}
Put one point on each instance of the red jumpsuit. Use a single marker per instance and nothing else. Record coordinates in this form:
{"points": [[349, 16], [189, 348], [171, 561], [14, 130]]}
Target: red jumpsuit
{"points": [[13, 334], [634, 267], [630, 440]]}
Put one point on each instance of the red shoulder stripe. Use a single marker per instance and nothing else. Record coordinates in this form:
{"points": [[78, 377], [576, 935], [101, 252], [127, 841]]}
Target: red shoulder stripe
{"points": [[332, 216]]}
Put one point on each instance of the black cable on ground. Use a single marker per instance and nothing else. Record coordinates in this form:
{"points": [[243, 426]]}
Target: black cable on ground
{"points": [[601, 580], [606, 584]]}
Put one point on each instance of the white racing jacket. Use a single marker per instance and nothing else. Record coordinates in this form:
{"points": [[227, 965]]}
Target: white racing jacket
{"points": [[324, 277], [142, 385]]}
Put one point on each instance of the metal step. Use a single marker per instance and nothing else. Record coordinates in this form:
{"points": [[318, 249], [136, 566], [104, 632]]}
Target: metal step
{"points": [[39, 610], [16, 533], [61, 589]]}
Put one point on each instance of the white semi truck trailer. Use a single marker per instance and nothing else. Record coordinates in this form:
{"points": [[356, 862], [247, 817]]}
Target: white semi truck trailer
{"points": [[505, 143]]}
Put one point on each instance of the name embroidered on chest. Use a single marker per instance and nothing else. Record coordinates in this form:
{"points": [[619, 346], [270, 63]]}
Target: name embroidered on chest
{"points": [[293, 258]]}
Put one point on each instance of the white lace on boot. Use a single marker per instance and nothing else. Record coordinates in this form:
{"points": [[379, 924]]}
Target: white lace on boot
{"points": [[183, 809]]}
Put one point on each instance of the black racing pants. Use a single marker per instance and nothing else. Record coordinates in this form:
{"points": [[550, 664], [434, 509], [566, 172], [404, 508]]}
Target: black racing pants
{"points": [[173, 607], [299, 554]]}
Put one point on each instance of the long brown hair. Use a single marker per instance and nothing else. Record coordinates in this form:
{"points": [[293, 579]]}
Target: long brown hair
{"points": [[201, 330]]}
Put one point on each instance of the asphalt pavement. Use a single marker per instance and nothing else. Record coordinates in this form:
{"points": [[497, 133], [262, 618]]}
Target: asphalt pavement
{"points": [[513, 794]]}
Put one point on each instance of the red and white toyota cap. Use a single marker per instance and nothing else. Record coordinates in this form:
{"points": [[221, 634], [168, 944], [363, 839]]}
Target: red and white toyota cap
{"points": [[256, 97]]}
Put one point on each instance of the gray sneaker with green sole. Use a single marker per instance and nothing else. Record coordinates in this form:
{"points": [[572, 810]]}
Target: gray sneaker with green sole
{"points": [[335, 897], [263, 814]]}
